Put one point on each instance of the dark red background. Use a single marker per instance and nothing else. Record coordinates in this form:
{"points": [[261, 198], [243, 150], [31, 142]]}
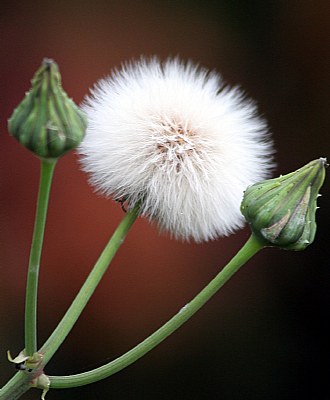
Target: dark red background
{"points": [[264, 335]]}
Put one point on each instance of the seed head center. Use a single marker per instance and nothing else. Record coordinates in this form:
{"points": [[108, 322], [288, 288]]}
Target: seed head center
{"points": [[174, 144], [175, 140]]}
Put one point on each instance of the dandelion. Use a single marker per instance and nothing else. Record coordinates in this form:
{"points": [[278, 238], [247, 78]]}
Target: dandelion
{"points": [[173, 137]]}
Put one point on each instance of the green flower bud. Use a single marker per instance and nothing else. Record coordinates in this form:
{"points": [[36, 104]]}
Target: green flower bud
{"points": [[47, 122], [281, 211]]}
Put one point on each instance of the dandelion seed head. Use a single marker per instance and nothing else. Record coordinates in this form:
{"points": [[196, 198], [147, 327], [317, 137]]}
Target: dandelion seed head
{"points": [[172, 136]]}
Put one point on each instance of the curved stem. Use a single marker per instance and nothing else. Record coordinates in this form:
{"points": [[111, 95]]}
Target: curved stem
{"points": [[251, 247], [47, 170], [86, 291]]}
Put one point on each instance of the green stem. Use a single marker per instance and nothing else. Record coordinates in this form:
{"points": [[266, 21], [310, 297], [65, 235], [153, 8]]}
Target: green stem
{"points": [[47, 170], [15, 387], [85, 293], [251, 247], [20, 382]]}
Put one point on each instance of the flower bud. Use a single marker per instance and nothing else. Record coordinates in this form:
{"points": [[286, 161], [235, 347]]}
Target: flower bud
{"points": [[281, 211], [47, 122]]}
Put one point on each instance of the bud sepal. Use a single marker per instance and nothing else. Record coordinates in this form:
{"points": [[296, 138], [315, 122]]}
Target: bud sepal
{"points": [[47, 121], [281, 211]]}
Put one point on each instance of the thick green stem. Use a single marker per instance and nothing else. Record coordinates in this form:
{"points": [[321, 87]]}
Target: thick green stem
{"points": [[251, 247], [47, 169], [15, 387], [85, 293]]}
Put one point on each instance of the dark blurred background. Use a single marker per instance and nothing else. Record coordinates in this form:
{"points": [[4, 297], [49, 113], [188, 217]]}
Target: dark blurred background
{"points": [[264, 336]]}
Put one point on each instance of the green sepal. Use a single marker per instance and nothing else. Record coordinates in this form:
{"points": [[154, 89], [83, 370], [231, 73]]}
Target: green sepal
{"points": [[281, 211], [47, 121]]}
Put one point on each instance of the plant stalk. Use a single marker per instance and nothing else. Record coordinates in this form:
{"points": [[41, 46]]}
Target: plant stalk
{"points": [[86, 291], [47, 170], [15, 387], [251, 247]]}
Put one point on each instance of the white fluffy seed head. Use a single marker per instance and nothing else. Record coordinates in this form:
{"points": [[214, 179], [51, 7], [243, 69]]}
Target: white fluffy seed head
{"points": [[173, 137]]}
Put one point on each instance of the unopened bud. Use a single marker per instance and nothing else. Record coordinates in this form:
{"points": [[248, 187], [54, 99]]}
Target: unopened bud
{"points": [[281, 211], [47, 121]]}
